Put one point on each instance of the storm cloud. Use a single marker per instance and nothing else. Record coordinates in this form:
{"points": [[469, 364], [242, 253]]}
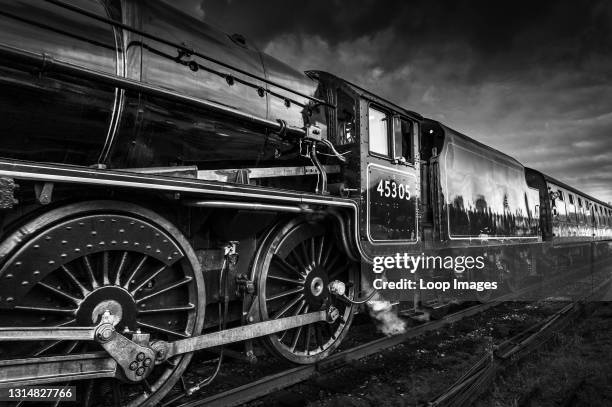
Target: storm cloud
{"points": [[532, 79]]}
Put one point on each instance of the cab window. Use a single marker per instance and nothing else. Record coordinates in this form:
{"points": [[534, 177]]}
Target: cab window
{"points": [[403, 139], [346, 120], [378, 132]]}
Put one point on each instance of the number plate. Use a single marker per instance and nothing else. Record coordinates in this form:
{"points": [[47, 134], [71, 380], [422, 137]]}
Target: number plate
{"points": [[391, 206]]}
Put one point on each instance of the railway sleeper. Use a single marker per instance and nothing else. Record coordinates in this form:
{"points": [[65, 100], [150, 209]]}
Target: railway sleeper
{"points": [[131, 360]]}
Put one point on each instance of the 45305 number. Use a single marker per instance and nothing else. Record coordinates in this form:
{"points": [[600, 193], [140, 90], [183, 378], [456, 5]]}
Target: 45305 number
{"points": [[391, 189]]}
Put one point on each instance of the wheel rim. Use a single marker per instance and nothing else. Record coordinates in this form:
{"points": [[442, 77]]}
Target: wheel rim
{"points": [[74, 266], [298, 265]]}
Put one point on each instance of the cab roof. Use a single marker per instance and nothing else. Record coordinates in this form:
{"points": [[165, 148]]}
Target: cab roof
{"points": [[322, 75]]}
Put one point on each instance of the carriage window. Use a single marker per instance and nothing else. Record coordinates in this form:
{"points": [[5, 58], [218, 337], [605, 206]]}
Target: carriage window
{"points": [[560, 195], [379, 136], [571, 199], [402, 130]]}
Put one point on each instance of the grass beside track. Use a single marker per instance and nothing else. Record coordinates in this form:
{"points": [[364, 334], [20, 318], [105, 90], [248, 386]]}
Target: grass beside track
{"points": [[574, 370]]}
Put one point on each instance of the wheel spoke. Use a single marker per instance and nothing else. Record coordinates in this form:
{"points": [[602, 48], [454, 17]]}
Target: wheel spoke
{"points": [[313, 255], [167, 309], [319, 336], [288, 306], [88, 393], [120, 268], [296, 312], [136, 270], [105, 280], [116, 393], [280, 338], [147, 386], [321, 248], [69, 322], [160, 329], [284, 294], [71, 311], [81, 287], [296, 338], [60, 292], [307, 344], [72, 346], [330, 331], [146, 280], [286, 280], [298, 260], [47, 347], [325, 259], [286, 267], [332, 262], [338, 271], [165, 289], [307, 260], [94, 282]]}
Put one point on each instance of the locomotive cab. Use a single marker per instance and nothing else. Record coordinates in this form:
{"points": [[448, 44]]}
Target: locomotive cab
{"points": [[381, 143]]}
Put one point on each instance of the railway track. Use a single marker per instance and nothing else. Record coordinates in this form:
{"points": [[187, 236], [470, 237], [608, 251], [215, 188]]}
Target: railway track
{"points": [[281, 380], [476, 379]]}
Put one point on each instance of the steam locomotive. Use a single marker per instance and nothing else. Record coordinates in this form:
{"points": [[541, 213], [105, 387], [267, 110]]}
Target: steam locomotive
{"points": [[167, 188]]}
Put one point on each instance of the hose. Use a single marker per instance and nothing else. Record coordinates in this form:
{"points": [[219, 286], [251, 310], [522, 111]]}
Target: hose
{"points": [[335, 152], [360, 301]]}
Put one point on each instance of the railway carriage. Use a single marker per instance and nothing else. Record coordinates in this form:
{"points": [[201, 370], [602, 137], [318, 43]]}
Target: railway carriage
{"points": [[167, 188]]}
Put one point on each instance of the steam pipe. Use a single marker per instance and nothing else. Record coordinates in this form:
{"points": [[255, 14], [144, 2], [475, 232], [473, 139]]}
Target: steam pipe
{"points": [[251, 206], [320, 169]]}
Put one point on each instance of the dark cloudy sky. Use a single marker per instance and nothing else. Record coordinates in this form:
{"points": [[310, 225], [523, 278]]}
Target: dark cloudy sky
{"points": [[532, 79]]}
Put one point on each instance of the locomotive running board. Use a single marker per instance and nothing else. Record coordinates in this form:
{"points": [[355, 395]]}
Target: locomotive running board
{"points": [[50, 369]]}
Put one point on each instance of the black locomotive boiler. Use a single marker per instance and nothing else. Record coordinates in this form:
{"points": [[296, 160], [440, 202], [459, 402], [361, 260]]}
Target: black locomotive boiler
{"points": [[167, 188]]}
